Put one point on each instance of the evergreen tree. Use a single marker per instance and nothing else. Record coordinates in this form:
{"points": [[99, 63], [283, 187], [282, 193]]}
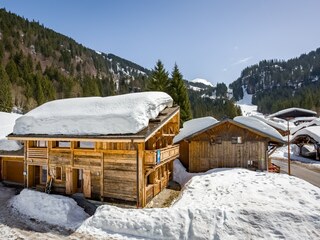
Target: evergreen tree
{"points": [[179, 93], [159, 79], [5, 92]]}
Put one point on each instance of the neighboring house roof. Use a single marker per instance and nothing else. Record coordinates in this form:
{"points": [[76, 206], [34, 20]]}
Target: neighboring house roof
{"points": [[153, 126], [193, 126], [293, 113], [7, 121], [251, 124], [315, 122], [18, 153], [308, 133], [273, 123]]}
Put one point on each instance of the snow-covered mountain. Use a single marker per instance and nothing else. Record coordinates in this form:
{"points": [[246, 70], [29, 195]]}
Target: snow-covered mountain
{"points": [[203, 81]]}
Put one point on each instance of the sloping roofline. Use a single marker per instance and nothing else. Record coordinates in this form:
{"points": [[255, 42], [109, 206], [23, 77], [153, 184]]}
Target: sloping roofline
{"points": [[142, 136], [273, 139], [293, 112]]}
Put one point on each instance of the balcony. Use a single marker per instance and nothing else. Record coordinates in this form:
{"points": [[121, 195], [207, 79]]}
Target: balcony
{"points": [[37, 153], [154, 157]]}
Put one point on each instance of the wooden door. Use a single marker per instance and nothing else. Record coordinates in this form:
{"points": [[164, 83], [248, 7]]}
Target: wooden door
{"points": [[86, 183]]}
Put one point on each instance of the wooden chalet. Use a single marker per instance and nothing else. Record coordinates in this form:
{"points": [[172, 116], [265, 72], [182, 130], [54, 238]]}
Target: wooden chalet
{"points": [[226, 144], [129, 167]]}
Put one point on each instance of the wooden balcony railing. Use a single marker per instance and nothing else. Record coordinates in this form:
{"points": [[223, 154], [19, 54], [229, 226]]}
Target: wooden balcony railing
{"points": [[154, 157], [37, 153]]}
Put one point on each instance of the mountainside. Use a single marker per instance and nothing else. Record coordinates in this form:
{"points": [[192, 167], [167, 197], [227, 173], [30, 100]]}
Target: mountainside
{"points": [[281, 84], [37, 65]]}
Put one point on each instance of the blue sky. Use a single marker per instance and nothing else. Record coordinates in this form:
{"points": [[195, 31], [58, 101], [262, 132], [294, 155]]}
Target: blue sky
{"points": [[208, 39]]}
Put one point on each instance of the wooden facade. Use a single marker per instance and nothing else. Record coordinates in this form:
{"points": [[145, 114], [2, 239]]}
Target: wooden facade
{"points": [[227, 144], [12, 167], [131, 168]]}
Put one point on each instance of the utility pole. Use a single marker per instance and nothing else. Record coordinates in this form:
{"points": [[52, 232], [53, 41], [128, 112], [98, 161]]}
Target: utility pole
{"points": [[289, 169]]}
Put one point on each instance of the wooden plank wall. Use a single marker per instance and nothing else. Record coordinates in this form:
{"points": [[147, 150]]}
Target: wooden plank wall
{"points": [[204, 156]]}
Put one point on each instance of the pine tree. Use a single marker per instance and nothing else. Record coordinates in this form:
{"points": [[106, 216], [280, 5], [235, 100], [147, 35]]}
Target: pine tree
{"points": [[5, 92], [159, 79], [179, 93]]}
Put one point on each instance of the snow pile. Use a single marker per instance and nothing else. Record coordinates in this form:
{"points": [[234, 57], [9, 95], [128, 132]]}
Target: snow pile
{"points": [[180, 174], [224, 204], [203, 81], [122, 114], [192, 126], [260, 126], [53, 209], [7, 121], [245, 104]]}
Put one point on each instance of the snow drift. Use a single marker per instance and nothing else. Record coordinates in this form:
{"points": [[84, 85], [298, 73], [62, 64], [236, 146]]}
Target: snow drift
{"points": [[224, 204], [122, 114], [53, 209]]}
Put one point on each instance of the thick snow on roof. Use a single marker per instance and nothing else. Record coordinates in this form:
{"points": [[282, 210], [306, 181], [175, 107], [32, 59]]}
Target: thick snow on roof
{"points": [[288, 110], [313, 132], [315, 122], [192, 126], [122, 114], [7, 121], [203, 81], [54, 209], [276, 124], [223, 204], [260, 126]]}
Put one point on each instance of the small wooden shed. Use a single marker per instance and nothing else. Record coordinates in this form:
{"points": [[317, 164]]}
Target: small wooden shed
{"points": [[227, 144]]}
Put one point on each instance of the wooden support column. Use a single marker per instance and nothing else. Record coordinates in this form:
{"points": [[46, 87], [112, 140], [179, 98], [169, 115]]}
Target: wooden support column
{"points": [[141, 201], [102, 178], [25, 165]]}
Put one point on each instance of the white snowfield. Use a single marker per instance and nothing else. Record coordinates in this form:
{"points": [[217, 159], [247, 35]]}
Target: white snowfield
{"points": [[194, 125], [222, 204], [203, 81], [245, 104], [260, 126], [7, 121], [122, 114], [53, 209]]}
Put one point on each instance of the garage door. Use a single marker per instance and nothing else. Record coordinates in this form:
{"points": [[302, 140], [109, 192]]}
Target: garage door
{"points": [[13, 171]]}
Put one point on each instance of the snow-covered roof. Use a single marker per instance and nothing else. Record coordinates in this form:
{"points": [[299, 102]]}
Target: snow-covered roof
{"points": [[259, 126], [313, 132], [293, 112], [278, 125], [315, 122], [7, 121], [122, 114], [193, 126]]}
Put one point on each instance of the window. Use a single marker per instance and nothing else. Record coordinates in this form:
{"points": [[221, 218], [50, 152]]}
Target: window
{"points": [[62, 144], [216, 140], [236, 140], [88, 145], [58, 173], [43, 144], [44, 174]]}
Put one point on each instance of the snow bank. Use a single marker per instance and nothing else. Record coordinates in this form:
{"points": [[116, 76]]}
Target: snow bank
{"points": [[260, 126], [122, 114], [53, 209], [224, 204], [192, 126], [7, 121]]}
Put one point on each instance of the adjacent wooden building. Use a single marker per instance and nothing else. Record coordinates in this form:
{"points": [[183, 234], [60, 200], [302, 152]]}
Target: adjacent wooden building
{"points": [[226, 144], [129, 167], [12, 167]]}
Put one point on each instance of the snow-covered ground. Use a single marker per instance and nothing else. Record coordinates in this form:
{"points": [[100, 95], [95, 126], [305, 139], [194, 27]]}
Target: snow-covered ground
{"points": [[222, 204], [7, 121], [245, 104], [219, 204]]}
